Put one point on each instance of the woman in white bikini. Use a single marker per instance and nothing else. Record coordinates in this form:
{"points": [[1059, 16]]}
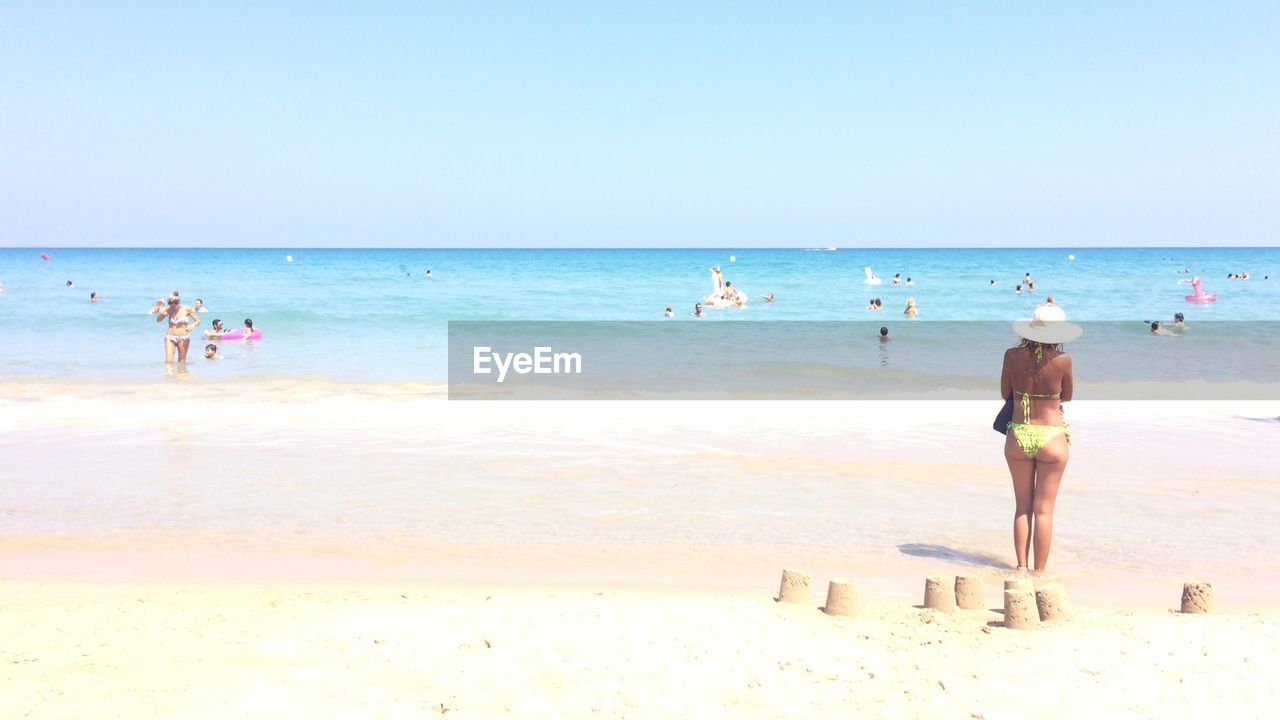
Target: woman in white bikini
{"points": [[178, 336]]}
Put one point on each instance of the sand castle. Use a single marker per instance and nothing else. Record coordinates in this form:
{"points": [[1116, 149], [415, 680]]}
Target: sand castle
{"points": [[1051, 602], [1020, 611], [1019, 584], [1197, 598], [842, 598], [940, 593], [1027, 602], [795, 587], [969, 593]]}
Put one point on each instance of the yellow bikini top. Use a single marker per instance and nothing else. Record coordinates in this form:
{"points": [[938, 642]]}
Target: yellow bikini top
{"points": [[1025, 400]]}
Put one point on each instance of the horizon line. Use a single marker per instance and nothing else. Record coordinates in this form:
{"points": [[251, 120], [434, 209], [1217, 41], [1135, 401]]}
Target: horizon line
{"points": [[740, 248]]}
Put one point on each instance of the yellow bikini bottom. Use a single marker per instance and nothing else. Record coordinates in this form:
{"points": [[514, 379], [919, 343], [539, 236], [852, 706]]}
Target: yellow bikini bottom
{"points": [[1031, 438]]}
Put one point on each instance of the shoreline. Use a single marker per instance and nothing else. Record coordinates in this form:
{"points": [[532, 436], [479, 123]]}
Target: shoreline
{"points": [[406, 488]]}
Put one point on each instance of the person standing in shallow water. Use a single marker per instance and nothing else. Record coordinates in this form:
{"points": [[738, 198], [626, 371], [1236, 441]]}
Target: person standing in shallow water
{"points": [[181, 320], [1037, 376]]}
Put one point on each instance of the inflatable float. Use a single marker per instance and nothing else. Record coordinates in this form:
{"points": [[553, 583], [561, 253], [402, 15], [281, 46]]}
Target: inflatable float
{"points": [[871, 277], [718, 298], [1199, 295], [238, 334]]}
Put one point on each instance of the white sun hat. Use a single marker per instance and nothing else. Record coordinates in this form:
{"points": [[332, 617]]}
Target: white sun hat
{"points": [[1048, 325]]}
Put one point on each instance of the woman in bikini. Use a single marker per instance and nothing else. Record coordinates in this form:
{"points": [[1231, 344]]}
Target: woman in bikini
{"points": [[181, 320], [1037, 374]]}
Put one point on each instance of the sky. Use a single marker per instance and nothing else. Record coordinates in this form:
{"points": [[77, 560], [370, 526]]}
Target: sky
{"points": [[650, 124]]}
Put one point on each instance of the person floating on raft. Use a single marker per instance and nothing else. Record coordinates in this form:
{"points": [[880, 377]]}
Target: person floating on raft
{"points": [[1199, 295], [723, 294]]}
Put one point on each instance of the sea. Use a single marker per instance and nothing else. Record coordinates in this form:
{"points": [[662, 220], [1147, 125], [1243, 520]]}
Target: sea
{"points": [[381, 315]]}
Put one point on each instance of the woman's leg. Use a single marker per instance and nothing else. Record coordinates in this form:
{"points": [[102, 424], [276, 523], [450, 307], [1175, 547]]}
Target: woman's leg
{"points": [[183, 345], [1022, 469], [1051, 462], [168, 350]]}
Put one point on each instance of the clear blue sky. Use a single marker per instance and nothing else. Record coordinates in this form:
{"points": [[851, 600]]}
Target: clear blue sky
{"points": [[604, 124]]}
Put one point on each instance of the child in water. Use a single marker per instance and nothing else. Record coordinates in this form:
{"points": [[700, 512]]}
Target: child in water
{"points": [[211, 352]]}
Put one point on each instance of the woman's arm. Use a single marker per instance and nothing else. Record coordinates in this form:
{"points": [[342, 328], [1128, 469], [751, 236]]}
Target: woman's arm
{"points": [[194, 314], [1068, 384], [1006, 383]]}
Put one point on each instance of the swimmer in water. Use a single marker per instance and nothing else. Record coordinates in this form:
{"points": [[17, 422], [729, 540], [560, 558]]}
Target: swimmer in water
{"points": [[1179, 321], [669, 313], [1026, 278], [210, 352], [884, 334], [249, 329], [428, 273], [1031, 287], [1156, 329], [217, 330], [909, 282], [879, 305], [697, 310], [768, 298], [897, 278], [871, 304], [1017, 290], [199, 306], [993, 282], [911, 310], [1048, 300], [69, 284], [93, 297]]}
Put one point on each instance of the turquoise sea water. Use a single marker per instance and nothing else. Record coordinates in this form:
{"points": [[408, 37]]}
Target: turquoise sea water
{"points": [[373, 315]]}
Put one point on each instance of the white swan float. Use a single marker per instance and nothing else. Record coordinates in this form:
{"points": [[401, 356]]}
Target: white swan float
{"points": [[724, 295], [871, 277]]}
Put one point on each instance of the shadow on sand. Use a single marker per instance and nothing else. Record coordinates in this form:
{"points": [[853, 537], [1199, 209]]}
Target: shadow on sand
{"points": [[941, 552]]}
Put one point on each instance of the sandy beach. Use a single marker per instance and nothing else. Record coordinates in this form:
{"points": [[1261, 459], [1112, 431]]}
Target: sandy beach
{"points": [[308, 651], [339, 551]]}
